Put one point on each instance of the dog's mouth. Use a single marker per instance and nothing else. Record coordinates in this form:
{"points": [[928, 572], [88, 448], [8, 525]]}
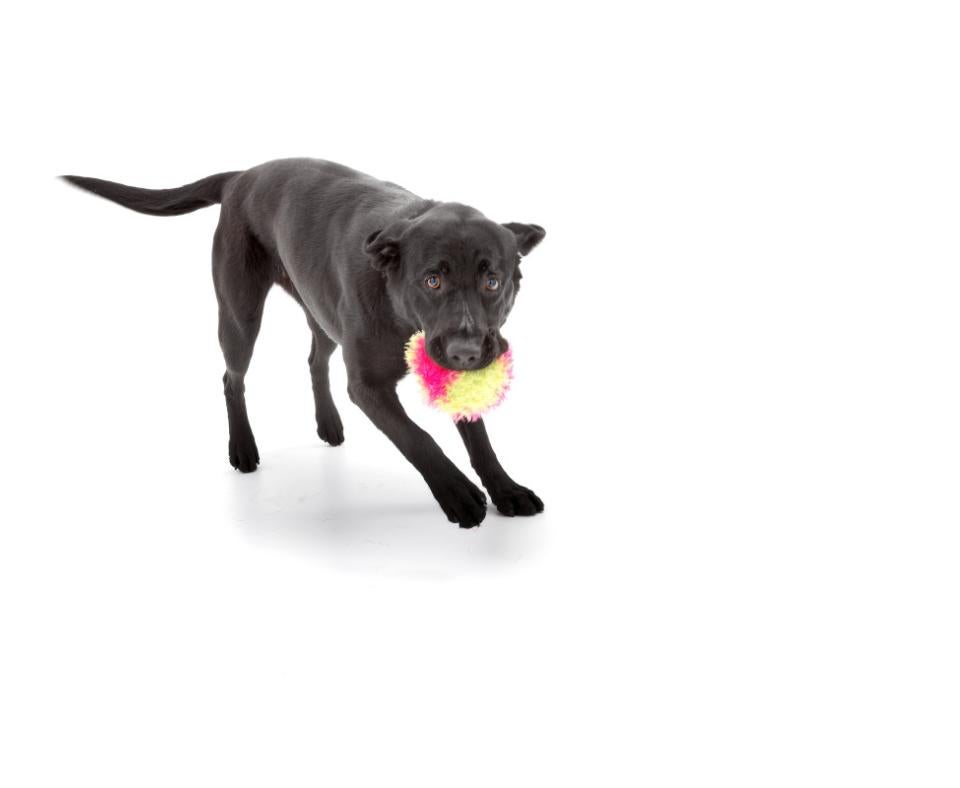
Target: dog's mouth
{"points": [[492, 346]]}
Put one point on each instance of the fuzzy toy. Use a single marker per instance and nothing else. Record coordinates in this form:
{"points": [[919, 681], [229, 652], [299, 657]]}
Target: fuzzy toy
{"points": [[465, 395]]}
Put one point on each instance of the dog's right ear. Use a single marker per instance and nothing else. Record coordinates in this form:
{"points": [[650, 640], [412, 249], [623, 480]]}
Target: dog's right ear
{"points": [[384, 247]]}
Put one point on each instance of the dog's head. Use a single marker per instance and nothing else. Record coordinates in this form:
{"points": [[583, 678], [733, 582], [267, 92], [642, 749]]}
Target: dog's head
{"points": [[454, 274]]}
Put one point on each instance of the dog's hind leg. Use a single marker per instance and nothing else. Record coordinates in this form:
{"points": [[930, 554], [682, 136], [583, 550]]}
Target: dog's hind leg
{"points": [[242, 277], [329, 425]]}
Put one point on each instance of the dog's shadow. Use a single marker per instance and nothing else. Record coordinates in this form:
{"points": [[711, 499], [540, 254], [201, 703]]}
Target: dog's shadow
{"points": [[365, 519]]}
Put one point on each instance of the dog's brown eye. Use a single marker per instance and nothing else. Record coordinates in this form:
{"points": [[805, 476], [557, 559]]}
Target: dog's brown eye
{"points": [[433, 282], [492, 283]]}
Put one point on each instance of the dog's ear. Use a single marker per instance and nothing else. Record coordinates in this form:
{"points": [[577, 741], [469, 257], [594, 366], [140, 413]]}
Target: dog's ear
{"points": [[384, 246], [528, 236], [384, 251]]}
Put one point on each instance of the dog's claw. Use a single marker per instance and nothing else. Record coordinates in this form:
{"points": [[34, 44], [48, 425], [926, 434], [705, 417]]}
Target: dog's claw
{"points": [[329, 426], [516, 501], [244, 455], [461, 500], [331, 434]]}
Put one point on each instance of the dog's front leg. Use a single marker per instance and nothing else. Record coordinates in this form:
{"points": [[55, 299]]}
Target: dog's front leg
{"points": [[509, 497], [461, 500]]}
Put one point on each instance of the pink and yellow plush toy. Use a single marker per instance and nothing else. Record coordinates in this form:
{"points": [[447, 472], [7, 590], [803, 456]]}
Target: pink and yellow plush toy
{"points": [[465, 395]]}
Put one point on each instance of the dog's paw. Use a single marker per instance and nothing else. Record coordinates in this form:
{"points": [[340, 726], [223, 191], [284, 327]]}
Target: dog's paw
{"points": [[515, 500], [330, 428], [243, 454], [461, 500]]}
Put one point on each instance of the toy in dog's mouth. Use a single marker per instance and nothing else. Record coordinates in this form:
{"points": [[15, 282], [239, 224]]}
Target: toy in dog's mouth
{"points": [[463, 394]]}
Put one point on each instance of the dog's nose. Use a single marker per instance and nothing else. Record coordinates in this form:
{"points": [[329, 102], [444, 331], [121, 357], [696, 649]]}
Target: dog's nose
{"points": [[464, 352]]}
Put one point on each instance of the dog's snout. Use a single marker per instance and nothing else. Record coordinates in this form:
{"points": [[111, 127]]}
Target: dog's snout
{"points": [[464, 352]]}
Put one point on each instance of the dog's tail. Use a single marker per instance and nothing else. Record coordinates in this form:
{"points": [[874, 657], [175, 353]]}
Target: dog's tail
{"points": [[158, 202]]}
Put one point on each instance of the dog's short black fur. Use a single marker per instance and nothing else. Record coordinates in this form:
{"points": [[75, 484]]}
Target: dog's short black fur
{"points": [[371, 263]]}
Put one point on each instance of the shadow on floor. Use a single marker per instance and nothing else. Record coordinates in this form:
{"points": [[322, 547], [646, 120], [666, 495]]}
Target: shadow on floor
{"points": [[366, 518]]}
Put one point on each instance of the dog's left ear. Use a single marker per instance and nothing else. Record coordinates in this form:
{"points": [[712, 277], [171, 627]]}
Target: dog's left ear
{"points": [[383, 247], [528, 236]]}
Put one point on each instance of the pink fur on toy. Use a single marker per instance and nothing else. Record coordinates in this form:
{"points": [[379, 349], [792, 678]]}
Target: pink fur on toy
{"points": [[465, 395]]}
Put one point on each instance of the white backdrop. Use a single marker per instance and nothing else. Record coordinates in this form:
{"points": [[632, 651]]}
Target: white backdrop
{"points": [[737, 393]]}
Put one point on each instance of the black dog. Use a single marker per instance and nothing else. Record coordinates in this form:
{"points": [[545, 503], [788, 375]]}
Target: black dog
{"points": [[370, 263]]}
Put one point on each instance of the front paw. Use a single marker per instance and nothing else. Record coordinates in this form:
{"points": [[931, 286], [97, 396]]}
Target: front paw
{"points": [[515, 500], [461, 500]]}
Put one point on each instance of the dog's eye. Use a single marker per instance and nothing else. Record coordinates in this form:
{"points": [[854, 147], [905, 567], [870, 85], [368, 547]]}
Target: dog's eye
{"points": [[492, 282], [432, 281]]}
